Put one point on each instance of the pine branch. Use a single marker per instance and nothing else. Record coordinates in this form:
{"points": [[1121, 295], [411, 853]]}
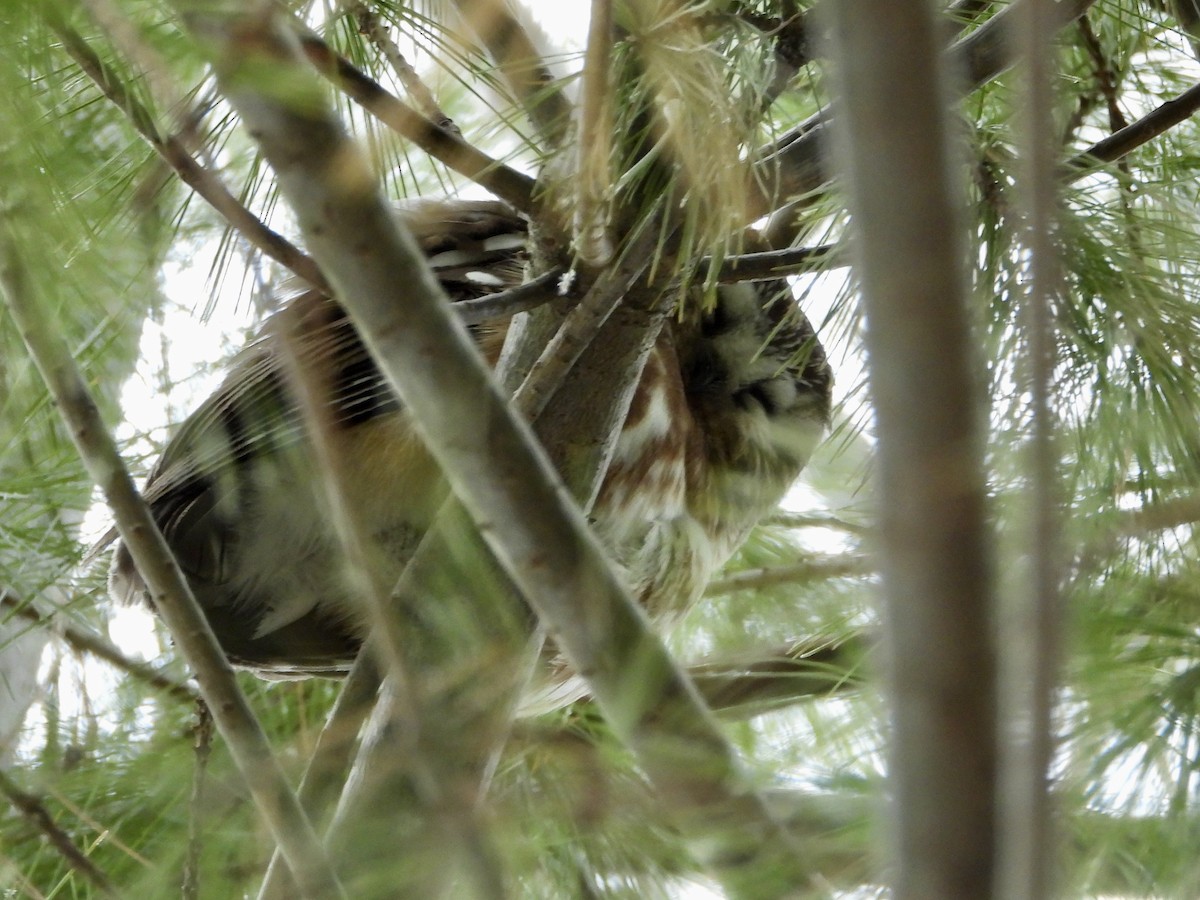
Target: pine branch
{"points": [[32, 809], [798, 162], [799, 573], [170, 592], [492, 463], [1158, 121], [173, 152], [369, 23], [87, 641], [443, 145]]}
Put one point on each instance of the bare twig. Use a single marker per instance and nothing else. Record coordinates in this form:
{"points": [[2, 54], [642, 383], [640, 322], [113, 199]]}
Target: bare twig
{"points": [[495, 468], [169, 590], [770, 264], [505, 182], [190, 172], [32, 809], [87, 641]]}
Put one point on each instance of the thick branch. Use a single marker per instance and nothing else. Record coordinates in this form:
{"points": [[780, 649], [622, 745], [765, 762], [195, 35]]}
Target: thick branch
{"points": [[933, 528]]}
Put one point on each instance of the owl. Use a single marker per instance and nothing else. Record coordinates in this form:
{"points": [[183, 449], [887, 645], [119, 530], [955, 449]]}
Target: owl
{"points": [[727, 411]]}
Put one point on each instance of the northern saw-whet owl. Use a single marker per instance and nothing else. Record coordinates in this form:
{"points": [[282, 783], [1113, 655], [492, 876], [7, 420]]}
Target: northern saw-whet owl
{"points": [[726, 413]]}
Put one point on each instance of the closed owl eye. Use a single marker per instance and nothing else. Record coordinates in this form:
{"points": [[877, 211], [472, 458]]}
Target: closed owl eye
{"points": [[774, 396]]}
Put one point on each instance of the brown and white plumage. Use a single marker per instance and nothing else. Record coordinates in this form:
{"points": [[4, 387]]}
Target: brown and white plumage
{"points": [[726, 414]]}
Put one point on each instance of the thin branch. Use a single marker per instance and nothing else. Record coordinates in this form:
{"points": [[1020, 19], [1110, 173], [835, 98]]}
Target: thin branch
{"points": [[32, 809], [797, 573], [325, 773], [771, 264], [202, 734], [793, 40], [494, 466], [802, 520], [88, 641], [169, 590], [791, 674], [546, 288], [1157, 122], [370, 24], [109, 836], [190, 172], [1106, 78], [507, 183]]}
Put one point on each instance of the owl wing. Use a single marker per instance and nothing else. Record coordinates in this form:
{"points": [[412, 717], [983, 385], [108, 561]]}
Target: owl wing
{"points": [[234, 488]]}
